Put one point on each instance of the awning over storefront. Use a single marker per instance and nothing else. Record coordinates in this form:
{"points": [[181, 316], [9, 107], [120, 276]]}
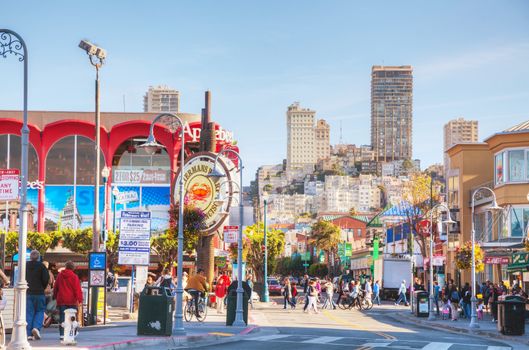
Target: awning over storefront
{"points": [[520, 262]]}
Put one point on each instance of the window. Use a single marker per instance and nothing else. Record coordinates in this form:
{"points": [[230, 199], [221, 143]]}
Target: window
{"points": [[517, 223], [359, 232], [516, 165], [499, 169]]}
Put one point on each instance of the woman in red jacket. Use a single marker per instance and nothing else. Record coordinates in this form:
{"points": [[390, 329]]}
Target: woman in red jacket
{"points": [[67, 292]]}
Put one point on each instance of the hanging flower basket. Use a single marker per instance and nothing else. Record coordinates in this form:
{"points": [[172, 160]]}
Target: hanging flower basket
{"points": [[464, 257]]}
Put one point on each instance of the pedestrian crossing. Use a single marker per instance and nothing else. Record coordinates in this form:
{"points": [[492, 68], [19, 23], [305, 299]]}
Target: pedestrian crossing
{"points": [[370, 343]]}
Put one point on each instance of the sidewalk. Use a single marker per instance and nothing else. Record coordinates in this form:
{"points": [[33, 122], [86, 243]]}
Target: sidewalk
{"points": [[486, 326], [122, 335]]}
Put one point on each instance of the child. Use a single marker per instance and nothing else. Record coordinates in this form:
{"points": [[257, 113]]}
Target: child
{"points": [[446, 308], [480, 309]]}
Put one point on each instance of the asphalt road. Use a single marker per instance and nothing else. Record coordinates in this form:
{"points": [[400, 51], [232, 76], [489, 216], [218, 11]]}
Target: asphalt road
{"points": [[351, 329]]}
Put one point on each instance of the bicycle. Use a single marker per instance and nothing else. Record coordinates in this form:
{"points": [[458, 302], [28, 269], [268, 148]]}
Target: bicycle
{"points": [[189, 310]]}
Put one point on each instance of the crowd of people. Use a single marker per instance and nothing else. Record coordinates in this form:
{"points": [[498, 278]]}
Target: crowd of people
{"points": [[324, 290]]}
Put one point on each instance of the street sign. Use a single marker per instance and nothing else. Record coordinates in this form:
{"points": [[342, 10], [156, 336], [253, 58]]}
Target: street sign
{"points": [[134, 238], [127, 197], [9, 179], [230, 234], [305, 265], [341, 249], [348, 249], [97, 260], [96, 278]]}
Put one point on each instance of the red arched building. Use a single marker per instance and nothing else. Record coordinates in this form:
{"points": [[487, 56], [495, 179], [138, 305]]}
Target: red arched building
{"points": [[62, 164]]}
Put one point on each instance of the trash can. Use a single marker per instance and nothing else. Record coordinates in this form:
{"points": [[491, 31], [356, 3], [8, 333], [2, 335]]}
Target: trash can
{"points": [[511, 315], [155, 312], [421, 302], [231, 307]]}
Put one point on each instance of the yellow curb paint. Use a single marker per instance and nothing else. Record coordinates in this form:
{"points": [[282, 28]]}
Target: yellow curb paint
{"points": [[221, 334]]}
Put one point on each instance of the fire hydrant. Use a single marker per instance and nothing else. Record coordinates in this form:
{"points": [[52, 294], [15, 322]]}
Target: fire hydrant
{"points": [[70, 326]]}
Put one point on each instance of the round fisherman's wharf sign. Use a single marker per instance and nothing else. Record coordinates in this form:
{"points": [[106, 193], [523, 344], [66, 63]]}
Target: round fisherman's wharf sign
{"points": [[202, 191]]}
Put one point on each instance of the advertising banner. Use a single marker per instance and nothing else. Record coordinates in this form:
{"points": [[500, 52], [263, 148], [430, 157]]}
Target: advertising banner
{"points": [[134, 238], [9, 179], [140, 176], [496, 260], [348, 249]]}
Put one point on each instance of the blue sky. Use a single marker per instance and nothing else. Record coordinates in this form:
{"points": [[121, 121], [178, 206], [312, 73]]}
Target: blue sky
{"points": [[470, 59]]}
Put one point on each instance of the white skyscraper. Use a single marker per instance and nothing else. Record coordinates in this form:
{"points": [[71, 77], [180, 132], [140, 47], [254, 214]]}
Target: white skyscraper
{"points": [[307, 141]]}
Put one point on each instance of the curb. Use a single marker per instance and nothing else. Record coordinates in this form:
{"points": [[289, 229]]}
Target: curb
{"points": [[172, 341], [399, 317]]}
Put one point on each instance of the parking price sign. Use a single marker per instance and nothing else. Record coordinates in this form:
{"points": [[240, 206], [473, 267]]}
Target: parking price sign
{"points": [[134, 238]]}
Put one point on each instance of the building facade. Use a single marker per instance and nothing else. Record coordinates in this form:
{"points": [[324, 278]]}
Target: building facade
{"points": [[322, 140], [61, 161], [456, 131], [391, 112], [300, 137], [161, 99], [500, 163]]}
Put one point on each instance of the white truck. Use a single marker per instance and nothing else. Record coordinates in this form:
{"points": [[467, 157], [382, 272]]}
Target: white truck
{"points": [[393, 272]]}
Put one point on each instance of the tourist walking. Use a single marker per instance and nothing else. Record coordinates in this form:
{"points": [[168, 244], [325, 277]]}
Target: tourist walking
{"points": [[287, 294], [312, 296], [376, 293], [329, 291], [455, 297], [221, 289], [37, 277], [436, 292], [67, 291], [402, 294]]}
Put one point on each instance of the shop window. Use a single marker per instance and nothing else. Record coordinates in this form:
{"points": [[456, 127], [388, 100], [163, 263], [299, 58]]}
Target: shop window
{"points": [[71, 160], [517, 223], [11, 155]]}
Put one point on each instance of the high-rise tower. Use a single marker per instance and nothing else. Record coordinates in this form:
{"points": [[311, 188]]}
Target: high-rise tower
{"points": [[391, 112]]}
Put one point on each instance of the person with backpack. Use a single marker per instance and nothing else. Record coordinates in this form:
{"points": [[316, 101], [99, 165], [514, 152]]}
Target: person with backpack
{"points": [[166, 280], [455, 297]]}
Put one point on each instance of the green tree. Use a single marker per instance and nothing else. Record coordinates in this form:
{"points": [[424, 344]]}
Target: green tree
{"points": [[78, 241], [11, 242], [112, 249], [166, 244], [43, 241], [326, 236], [318, 270]]}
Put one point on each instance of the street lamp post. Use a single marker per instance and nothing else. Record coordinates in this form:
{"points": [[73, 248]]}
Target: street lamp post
{"points": [[97, 57], [151, 146], [12, 43], [493, 207], [105, 174], [431, 316], [115, 193], [239, 321], [266, 295]]}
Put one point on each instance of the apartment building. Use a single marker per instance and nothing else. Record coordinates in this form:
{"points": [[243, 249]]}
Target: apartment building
{"points": [[391, 112], [161, 98], [457, 131]]}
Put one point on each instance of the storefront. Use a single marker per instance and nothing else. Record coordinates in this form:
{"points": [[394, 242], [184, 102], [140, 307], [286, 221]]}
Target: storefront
{"points": [[62, 166]]}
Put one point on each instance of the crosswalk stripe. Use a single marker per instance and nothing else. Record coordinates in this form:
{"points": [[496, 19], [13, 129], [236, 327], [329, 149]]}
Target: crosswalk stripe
{"points": [[498, 348], [374, 345], [321, 340], [270, 337], [437, 346]]}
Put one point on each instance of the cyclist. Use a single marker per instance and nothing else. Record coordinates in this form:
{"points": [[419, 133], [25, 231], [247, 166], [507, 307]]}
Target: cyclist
{"points": [[197, 286]]}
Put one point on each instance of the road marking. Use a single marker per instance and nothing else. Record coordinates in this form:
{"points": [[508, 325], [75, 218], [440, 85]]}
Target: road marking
{"points": [[437, 346], [374, 345], [498, 348], [352, 325], [322, 340], [270, 337]]}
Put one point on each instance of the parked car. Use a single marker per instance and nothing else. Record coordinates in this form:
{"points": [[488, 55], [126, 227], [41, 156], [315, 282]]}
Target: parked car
{"points": [[274, 287]]}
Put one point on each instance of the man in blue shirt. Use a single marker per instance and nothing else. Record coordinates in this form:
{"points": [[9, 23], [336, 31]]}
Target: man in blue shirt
{"points": [[376, 292], [436, 291]]}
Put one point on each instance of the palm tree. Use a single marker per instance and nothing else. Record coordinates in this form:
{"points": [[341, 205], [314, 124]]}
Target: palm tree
{"points": [[326, 236]]}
